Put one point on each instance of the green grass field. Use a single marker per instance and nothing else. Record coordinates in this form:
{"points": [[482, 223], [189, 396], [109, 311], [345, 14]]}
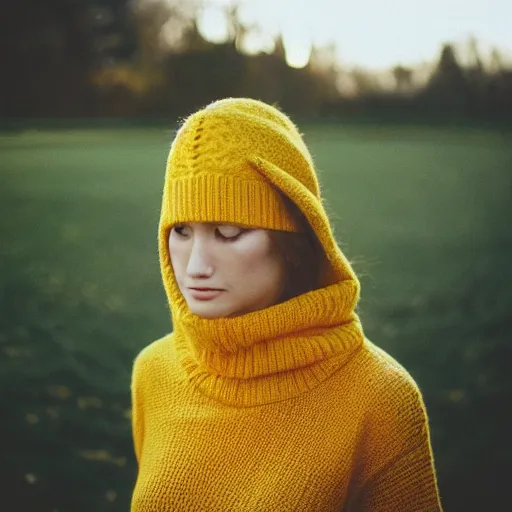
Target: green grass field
{"points": [[423, 213]]}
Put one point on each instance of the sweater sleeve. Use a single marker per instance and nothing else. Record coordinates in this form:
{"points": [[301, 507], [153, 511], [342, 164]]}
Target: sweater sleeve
{"points": [[397, 459], [137, 416], [408, 483]]}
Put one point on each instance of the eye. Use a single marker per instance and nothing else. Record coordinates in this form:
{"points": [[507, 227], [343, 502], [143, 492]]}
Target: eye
{"points": [[181, 230], [229, 232]]}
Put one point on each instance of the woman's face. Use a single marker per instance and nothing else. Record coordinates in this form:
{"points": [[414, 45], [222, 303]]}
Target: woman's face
{"points": [[225, 270]]}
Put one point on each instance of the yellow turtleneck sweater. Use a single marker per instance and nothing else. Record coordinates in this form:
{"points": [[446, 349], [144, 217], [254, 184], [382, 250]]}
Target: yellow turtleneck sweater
{"points": [[289, 408]]}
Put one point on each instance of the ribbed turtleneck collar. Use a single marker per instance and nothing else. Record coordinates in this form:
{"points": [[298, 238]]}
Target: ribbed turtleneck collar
{"points": [[271, 354]]}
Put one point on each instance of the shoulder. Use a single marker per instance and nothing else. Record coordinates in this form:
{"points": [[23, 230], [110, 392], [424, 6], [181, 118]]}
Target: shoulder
{"points": [[152, 356], [395, 409], [386, 396], [395, 425], [385, 376]]}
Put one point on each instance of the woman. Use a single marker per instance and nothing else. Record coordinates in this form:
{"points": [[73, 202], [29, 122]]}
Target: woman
{"points": [[267, 396]]}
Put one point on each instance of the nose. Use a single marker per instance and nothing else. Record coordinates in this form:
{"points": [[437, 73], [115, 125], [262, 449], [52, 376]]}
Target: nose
{"points": [[199, 262]]}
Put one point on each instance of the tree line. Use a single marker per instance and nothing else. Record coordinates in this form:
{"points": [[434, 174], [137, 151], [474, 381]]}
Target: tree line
{"points": [[76, 58]]}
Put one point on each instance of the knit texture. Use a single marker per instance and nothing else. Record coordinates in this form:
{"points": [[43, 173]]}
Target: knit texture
{"points": [[211, 166], [289, 408]]}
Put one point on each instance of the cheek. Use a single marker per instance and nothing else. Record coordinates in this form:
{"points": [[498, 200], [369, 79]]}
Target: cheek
{"points": [[254, 257], [177, 256]]}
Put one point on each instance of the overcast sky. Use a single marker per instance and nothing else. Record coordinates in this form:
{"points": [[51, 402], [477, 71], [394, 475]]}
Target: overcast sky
{"points": [[371, 33]]}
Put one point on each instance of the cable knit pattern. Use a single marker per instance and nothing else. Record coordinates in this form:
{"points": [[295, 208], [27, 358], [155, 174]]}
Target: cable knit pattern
{"points": [[289, 408]]}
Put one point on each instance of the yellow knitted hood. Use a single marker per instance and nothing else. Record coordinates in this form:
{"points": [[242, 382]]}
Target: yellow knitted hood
{"points": [[227, 164]]}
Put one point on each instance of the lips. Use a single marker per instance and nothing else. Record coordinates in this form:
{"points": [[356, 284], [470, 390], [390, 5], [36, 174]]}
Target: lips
{"points": [[205, 293]]}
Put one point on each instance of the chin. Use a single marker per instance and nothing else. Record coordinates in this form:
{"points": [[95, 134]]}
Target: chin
{"points": [[209, 311]]}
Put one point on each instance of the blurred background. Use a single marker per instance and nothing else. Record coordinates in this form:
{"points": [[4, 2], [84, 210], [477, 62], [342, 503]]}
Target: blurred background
{"points": [[407, 110]]}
